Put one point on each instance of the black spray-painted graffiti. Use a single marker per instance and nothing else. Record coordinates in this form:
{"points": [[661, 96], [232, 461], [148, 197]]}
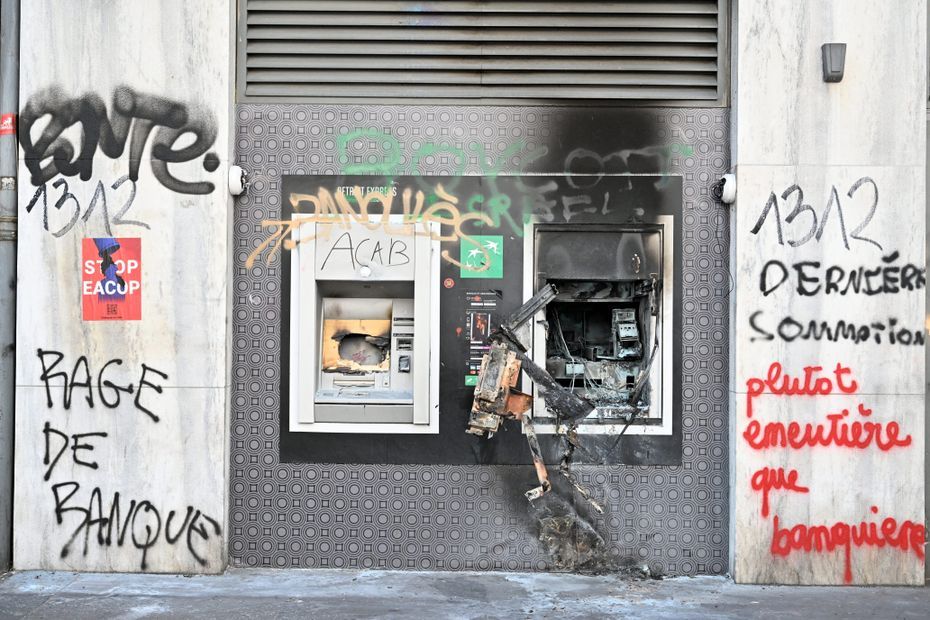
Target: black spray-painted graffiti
{"points": [[325, 207], [809, 278], [142, 522], [142, 525], [99, 197], [584, 169], [790, 329], [75, 441], [392, 254], [818, 225], [134, 113], [108, 393]]}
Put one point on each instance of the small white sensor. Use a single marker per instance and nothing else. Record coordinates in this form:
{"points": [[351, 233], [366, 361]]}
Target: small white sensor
{"points": [[728, 193], [237, 180]]}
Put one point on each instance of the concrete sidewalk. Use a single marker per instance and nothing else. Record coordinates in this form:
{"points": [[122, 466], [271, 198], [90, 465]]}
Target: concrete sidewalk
{"points": [[337, 594]]}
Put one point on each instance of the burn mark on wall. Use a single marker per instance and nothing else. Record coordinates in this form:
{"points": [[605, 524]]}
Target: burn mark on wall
{"points": [[571, 541], [569, 536]]}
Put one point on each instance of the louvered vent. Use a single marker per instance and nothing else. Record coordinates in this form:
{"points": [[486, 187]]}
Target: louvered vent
{"points": [[377, 49]]}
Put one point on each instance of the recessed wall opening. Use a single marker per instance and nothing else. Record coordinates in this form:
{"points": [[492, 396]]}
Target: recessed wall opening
{"points": [[597, 348], [606, 336]]}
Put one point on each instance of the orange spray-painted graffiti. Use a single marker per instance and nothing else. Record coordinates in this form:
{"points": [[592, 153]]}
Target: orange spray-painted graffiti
{"points": [[337, 208]]}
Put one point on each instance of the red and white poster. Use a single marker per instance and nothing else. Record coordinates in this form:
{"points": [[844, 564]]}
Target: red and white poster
{"points": [[111, 279], [7, 124]]}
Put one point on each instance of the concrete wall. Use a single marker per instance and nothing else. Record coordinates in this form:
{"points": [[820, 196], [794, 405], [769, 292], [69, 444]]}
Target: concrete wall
{"points": [[831, 179], [121, 423]]}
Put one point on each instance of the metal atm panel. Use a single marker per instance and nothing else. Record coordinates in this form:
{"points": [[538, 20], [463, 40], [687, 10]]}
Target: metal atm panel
{"points": [[607, 334], [365, 299]]}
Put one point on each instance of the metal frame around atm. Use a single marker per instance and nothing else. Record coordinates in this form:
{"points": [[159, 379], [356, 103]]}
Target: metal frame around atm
{"points": [[304, 335], [661, 397]]}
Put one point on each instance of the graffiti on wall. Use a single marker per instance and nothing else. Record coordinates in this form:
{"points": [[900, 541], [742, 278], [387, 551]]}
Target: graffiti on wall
{"points": [[99, 518], [133, 117], [98, 203], [851, 428], [579, 191], [792, 410], [263, 131], [95, 502], [816, 224], [887, 274], [60, 159], [337, 208]]}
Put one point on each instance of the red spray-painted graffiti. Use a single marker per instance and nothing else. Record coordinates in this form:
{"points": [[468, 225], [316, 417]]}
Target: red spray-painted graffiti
{"points": [[906, 536], [785, 385], [838, 431], [770, 479]]}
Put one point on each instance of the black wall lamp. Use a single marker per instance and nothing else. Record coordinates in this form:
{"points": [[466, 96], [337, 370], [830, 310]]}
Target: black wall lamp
{"points": [[834, 57]]}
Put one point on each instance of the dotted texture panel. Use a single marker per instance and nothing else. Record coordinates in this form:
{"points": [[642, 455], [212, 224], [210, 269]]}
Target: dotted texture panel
{"points": [[455, 517]]}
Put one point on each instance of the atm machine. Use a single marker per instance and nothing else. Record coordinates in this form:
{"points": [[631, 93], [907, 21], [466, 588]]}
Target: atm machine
{"points": [[364, 317], [607, 334]]}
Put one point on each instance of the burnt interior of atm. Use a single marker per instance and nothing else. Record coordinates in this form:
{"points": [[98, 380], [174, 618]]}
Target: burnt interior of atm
{"points": [[602, 329]]}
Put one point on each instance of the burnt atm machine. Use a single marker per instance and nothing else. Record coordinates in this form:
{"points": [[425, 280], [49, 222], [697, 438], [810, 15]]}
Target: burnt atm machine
{"points": [[607, 334], [364, 318]]}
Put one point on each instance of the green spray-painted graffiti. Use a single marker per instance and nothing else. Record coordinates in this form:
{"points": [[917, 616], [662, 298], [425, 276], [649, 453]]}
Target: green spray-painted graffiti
{"points": [[508, 211]]}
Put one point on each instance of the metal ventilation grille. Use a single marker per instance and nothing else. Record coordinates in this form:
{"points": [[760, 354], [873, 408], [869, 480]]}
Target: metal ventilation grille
{"points": [[375, 49]]}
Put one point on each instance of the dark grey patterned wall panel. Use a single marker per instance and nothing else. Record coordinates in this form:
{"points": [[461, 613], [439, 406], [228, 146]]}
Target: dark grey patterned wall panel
{"points": [[447, 517]]}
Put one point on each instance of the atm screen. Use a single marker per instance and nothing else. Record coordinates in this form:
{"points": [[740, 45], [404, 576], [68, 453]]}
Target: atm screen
{"points": [[366, 349]]}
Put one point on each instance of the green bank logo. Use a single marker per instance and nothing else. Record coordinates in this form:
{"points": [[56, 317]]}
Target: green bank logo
{"points": [[479, 249]]}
